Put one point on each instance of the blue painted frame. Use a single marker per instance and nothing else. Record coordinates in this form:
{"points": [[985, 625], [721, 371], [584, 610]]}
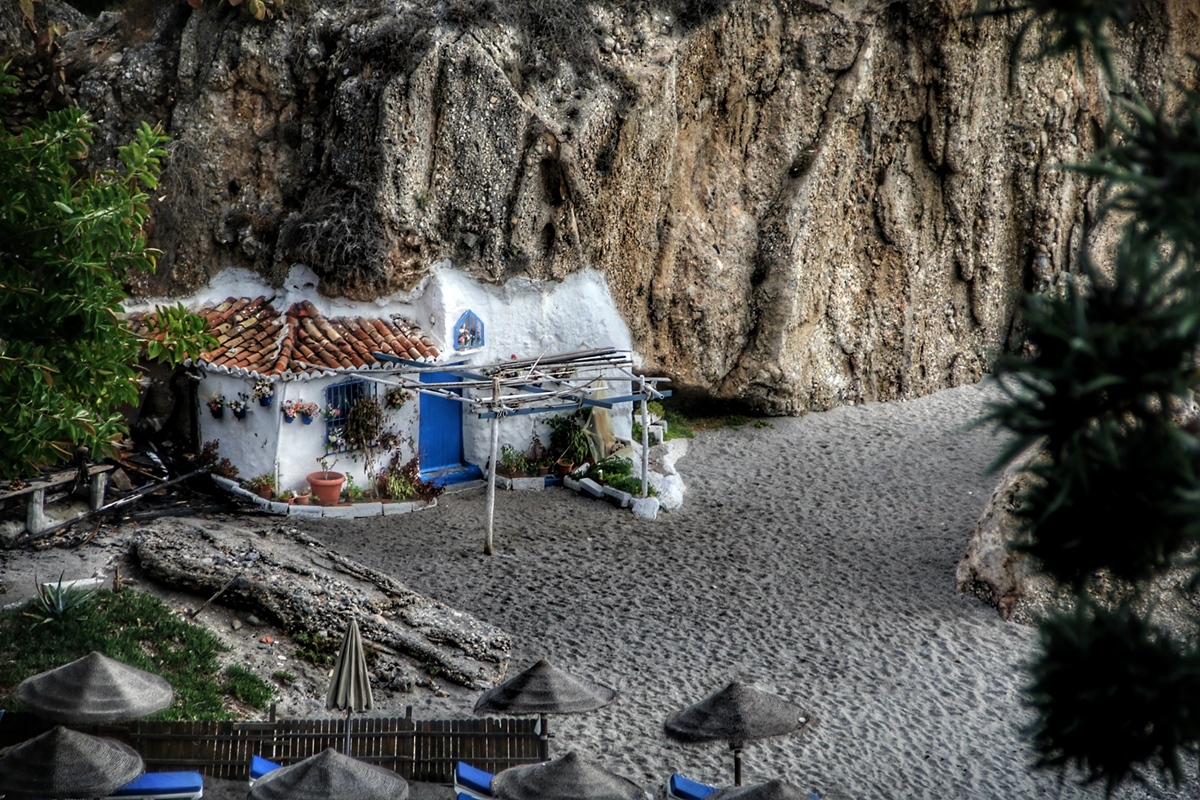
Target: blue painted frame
{"points": [[468, 332]]}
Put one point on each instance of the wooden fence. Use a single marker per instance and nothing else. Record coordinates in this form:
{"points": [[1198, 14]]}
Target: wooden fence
{"points": [[419, 750]]}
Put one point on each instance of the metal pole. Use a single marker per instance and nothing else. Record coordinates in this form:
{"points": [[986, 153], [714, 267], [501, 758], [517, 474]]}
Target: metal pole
{"points": [[491, 490], [737, 766], [645, 438]]}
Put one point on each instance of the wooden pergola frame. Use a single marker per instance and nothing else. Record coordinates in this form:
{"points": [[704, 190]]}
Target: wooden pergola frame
{"points": [[564, 382]]}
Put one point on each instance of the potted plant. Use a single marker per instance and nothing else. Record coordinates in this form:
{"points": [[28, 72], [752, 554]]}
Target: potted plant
{"points": [[307, 410], [262, 485], [536, 456], [396, 398], [239, 406], [513, 464], [568, 443], [303, 498], [288, 409], [216, 405], [263, 391], [326, 485]]}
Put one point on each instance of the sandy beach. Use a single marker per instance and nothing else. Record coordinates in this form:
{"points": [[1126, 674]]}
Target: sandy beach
{"points": [[813, 557]]}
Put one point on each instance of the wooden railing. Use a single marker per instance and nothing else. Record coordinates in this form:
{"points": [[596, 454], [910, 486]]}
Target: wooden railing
{"points": [[419, 750]]}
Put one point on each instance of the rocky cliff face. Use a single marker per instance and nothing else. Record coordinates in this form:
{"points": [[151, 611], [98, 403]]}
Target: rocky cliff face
{"points": [[797, 204]]}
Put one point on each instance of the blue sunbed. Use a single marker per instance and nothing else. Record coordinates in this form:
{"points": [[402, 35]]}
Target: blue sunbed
{"points": [[473, 782], [260, 766], [681, 788], [162, 786]]}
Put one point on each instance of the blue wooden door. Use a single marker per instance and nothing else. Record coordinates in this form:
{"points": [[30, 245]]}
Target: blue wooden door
{"points": [[441, 434]]}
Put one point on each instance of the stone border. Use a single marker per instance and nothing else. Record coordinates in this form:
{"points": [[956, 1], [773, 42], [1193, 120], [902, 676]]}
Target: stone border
{"points": [[352, 511], [642, 507]]}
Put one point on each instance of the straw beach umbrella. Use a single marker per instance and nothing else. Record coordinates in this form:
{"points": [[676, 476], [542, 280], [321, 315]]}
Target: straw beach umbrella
{"points": [[350, 684], [94, 689], [329, 775], [736, 714], [62, 763], [543, 689], [771, 790], [568, 778]]}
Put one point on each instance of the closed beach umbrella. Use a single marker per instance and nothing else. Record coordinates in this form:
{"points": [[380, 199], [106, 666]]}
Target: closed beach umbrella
{"points": [[94, 689], [772, 790], [329, 775], [62, 763], [350, 685], [568, 778], [736, 714], [543, 689]]}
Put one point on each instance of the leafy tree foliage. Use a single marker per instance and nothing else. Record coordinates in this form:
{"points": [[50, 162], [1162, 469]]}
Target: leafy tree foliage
{"points": [[67, 241], [1104, 394]]}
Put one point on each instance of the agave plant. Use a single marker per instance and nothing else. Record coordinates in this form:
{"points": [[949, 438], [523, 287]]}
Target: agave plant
{"points": [[55, 603]]}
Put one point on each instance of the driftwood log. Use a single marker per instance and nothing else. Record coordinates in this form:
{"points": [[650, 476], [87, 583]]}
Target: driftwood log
{"points": [[295, 581]]}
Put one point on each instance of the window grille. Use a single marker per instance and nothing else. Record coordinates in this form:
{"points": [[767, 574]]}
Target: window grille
{"points": [[468, 332], [339, 399]]}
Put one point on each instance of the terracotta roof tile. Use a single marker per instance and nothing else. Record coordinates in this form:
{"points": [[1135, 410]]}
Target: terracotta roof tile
{"points": [[252, 335]]}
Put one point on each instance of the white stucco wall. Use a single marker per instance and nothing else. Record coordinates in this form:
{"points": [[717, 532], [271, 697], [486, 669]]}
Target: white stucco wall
{"points": [[527, 319], [524, 318], [249, 444]]}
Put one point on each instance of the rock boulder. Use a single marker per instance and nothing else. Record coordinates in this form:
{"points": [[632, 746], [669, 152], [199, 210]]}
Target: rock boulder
{"points": [[294, 581]]}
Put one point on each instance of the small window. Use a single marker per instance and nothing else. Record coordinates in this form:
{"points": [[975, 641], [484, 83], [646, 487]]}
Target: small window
{"points": [[339, 399], [468, 332]]}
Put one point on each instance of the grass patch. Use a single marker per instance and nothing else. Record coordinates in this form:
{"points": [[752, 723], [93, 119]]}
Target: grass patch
{"points": [[683, 421], [140, 630], [244, 686], [319, 650]]}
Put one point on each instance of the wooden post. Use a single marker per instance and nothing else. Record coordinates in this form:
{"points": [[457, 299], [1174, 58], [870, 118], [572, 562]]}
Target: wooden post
{"points": [[35, 516], [96, 493], [645, 439], [491, 489]]}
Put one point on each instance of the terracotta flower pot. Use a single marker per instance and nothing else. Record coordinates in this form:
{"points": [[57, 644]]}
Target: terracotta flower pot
{"points": [[302, 499], [326, 486]]}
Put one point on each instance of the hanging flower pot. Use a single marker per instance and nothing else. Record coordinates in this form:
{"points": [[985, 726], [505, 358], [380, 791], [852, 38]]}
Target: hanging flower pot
{"points": [[239, 406], [263, 392], [306, 419], [216, 405]]}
